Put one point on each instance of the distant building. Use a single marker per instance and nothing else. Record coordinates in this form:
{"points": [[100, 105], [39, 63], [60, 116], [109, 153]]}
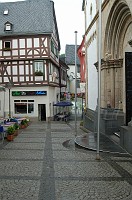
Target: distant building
{"points": [[70, 61]]}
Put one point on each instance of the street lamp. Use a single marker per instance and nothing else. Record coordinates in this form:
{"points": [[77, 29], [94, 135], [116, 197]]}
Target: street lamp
{"points": [[75, 83], [99, 78], [9, 86], [2, 89]]}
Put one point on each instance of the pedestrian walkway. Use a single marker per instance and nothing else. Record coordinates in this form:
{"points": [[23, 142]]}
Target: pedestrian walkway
{"points": [[42, 163]]}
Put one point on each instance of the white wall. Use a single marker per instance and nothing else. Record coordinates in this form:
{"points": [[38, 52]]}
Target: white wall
{"points": [[48, 100], [92, 76], [91, 44]]}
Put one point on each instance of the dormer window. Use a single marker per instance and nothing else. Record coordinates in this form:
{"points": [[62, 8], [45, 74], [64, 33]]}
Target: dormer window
{"points": [[8, 26], [6, 11]]}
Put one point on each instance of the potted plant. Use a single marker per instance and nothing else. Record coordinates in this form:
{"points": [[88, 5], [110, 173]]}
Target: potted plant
{"points": [[22, 124], [10, 133], [38, 73], [16, 127]]}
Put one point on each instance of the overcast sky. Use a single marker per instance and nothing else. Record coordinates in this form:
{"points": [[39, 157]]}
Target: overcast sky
{"points": [[70, 18]]}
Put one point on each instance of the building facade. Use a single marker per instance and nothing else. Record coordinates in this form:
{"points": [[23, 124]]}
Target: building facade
{"points": [[116, 52], [29, 59], [89, 8], [70, 61]]}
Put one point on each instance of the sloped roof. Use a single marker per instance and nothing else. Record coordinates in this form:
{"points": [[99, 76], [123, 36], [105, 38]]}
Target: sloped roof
{"points": [[28, 17], [70, 55]]}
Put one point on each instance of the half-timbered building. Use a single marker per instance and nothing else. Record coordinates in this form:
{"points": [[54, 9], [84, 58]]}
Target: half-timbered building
{"points": [[29, 58]]}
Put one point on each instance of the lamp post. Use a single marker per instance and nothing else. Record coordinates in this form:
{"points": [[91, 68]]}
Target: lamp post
{"points": [[3, 90], [99, 78], [75, 83], [9, 86]]}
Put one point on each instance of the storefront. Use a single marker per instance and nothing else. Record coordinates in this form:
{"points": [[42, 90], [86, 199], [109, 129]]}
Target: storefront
{"points": [[28, 103]]}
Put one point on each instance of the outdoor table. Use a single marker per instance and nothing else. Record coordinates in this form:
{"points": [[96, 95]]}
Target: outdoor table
{"points": [[61, 117]]}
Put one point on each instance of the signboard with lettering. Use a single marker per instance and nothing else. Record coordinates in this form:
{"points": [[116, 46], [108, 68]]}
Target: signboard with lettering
{"points": [[29, 93]]}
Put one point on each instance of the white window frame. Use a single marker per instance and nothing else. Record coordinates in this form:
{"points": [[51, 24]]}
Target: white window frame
{"points": [[5, 44], [26, 102], [8, 27], [38, 66]]}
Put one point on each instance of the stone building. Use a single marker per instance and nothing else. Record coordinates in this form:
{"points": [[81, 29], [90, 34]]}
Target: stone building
{"points": [[116, 52]]}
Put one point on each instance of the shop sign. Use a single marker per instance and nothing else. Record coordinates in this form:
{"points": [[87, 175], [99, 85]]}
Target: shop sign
{"points": [[29, 93]]}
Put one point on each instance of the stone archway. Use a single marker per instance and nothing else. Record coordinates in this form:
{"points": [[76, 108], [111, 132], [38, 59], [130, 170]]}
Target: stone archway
{"points": [[113, 73]]}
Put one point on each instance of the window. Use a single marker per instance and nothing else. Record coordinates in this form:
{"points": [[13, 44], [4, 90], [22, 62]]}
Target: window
{"points": [[54, 49], [24, 106], [38, 66], [78, 83], [78, 68], [6, 11], [7, 45], [91, 9], [52, 46], [8, 26]]}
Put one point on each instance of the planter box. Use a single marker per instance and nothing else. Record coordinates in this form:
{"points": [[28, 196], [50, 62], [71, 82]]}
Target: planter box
{"points": [[38, 78]]}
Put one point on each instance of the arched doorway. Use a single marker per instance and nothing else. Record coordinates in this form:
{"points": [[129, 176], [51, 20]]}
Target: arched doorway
{"points": [[116, 44]]}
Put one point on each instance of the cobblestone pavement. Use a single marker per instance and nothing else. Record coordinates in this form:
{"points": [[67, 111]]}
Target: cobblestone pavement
{"points": [[42, 163]]}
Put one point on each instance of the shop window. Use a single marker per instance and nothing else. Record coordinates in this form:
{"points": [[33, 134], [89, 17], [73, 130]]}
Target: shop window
{"points": [[23, 107]]}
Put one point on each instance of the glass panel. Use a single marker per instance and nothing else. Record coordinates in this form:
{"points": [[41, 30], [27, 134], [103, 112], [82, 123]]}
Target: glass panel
{"points": [[38, 66], [8, 27], [30, 108], [7, 44], [20, 108]]}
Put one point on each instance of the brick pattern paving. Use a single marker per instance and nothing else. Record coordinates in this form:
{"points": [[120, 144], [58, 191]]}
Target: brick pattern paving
{"points": [[42, 163]]}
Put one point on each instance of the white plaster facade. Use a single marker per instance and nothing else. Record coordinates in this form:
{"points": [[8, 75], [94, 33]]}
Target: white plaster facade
{"points": [[116, 34], [48, 100], [91, 55]]}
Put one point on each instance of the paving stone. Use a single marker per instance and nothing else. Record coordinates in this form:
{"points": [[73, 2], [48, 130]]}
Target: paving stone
{"points": [[32, 135], [84, 169], [72, 155], [21, 154], [43, 163], [21, 168], [29, 140], [22, 145], [127, 166], [96, 190], [19, 189]]}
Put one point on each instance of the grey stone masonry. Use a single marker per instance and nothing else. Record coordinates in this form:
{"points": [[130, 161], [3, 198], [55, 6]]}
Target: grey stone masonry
{"points": [[42, 163]]}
